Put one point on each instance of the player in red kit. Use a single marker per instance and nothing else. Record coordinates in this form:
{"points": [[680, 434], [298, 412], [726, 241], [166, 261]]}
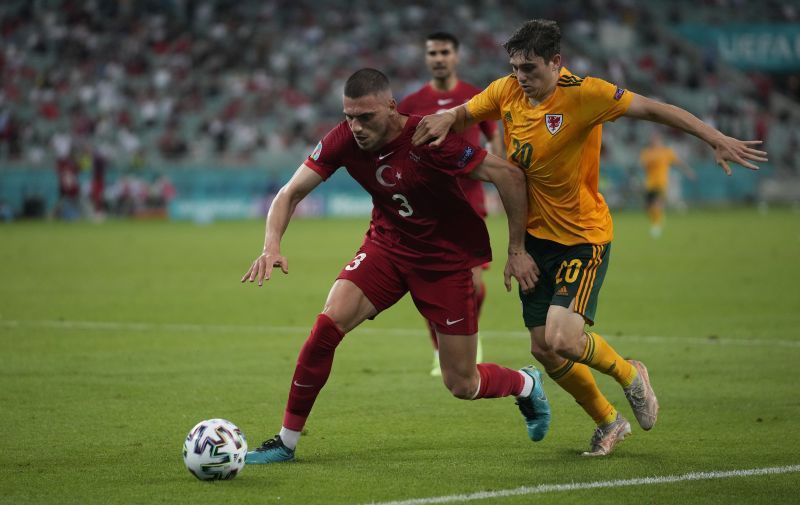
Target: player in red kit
{"points": [[424, 237], [442, 92]]}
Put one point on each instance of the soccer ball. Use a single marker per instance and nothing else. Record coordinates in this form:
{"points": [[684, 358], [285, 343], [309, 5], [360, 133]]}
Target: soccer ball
{"points": [[215, 450]]}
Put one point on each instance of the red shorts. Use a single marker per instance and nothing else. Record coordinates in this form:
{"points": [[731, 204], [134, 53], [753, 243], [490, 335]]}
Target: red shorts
{"points": [[445, 298]]}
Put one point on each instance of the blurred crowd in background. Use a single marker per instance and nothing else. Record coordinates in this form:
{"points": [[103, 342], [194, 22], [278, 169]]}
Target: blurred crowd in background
{"points": [[134, 85]]}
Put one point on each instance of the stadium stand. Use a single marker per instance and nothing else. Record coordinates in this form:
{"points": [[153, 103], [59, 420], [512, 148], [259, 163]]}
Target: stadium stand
{"points": [[153, 87]]}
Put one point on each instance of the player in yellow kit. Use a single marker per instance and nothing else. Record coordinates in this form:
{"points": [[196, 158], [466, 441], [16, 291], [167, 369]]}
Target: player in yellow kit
{"points": [[656, 159], [553, 128]]}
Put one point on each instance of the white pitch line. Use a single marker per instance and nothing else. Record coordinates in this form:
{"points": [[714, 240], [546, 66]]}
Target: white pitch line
{"points": [[577, 486], [402, 332]]}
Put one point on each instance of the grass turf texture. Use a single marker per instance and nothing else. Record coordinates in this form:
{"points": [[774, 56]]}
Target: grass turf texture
{"points": [[97, 413]]}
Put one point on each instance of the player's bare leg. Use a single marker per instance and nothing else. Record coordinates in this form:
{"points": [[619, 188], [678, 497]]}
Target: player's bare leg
{"points": [[470, 381], [345, 308], [480, 294], [655, 211], [577, 380], [457, 360], [436, 370], [566, 336]]}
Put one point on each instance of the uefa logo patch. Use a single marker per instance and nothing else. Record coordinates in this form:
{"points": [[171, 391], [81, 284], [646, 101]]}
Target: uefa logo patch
{"points": [[618, 94], [465, 157], [317, 151], [553, 122]]}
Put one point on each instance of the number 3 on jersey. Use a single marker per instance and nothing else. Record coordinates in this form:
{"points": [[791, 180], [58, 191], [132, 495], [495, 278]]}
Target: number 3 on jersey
{"points": [[356, 261], [405, 207]]}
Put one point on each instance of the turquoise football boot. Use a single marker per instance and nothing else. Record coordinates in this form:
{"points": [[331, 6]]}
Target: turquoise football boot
{"points": [[535, 408], [271, 451]]}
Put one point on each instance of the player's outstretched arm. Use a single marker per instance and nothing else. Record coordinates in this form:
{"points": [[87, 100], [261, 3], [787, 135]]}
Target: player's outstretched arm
{"points": [[434, 128], [725, 148], [512, 187], [301, 184]]}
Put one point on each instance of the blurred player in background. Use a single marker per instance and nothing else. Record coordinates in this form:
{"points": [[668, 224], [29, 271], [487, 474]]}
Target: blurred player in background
{"points": [[424, 238], [442, 92], [656, 160], [553, 128]]}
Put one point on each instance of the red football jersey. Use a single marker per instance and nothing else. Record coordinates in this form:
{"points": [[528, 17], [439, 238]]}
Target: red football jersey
{"points": [[428, 100], [419, 211]]}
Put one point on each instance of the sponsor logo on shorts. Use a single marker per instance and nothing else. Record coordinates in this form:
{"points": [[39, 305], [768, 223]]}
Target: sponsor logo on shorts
{"points": [[451, 323], [563, 291]]}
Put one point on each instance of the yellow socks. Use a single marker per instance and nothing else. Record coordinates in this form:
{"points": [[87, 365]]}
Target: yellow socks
{"points": [[603, 358], [656, 215], [577, 380]]}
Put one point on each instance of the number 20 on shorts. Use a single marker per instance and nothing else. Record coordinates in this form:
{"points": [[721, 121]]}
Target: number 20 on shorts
{"points": [[573, 269]]}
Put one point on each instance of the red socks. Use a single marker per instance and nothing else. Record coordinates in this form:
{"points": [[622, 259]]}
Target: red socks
{"points": [[312, 371], [498, 381]]}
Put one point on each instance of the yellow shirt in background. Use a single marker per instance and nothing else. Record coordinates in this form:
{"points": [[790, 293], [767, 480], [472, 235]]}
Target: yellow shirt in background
{"points": [[557, 143], [656, 162]]}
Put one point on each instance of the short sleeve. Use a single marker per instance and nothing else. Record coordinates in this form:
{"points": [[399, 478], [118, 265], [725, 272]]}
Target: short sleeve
{"points": [[328, 155], [602, 101], [454, 156], [486, 104]]}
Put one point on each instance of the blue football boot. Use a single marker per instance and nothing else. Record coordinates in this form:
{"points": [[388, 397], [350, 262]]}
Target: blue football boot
{"points": [[535, 408], [271, 451]]}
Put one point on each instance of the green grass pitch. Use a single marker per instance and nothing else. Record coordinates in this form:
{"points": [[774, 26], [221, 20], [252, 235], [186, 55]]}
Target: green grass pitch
{"points": [[117, 338]]}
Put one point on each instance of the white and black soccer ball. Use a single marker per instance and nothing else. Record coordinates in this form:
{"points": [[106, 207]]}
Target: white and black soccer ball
{"points": [[215, 450]]}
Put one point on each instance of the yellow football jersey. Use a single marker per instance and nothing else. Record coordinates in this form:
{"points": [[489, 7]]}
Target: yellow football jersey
{"points": [[557, 143], [656, 162]]}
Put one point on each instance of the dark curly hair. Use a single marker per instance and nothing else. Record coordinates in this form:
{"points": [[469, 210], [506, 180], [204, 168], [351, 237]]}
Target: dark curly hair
{"points": [[539, 37]]}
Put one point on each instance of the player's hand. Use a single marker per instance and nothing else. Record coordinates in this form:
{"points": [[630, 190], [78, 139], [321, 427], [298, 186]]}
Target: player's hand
{"points": [[739, 151], [261, 269], [522, 267], [433, 129]]}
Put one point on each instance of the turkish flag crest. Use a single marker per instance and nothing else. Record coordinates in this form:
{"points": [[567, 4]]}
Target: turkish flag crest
{"points": [[553, 122]]}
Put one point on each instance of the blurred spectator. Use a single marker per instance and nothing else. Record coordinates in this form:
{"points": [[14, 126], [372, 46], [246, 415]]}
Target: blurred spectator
{"points": [[69, 189], [10, 135], [98, 183], [171, 144], [160, 193], [212, 83]]}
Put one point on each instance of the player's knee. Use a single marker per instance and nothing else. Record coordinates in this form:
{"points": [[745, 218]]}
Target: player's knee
{"points": [[344, 318], [541, 355], [561, 341], [547, 358], [325, 336], [461, 387]]}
